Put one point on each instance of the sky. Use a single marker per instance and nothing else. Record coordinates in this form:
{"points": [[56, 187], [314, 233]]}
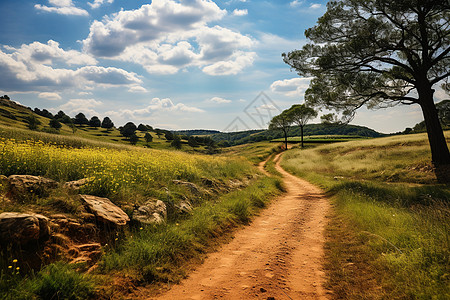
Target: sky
{"points": [[172, 64]]}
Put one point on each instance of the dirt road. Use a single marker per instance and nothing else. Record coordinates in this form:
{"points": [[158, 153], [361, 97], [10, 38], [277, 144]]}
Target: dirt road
{"points": [[279, 256]]}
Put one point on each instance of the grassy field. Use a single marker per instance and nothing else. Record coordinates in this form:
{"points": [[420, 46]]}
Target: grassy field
{"points": [[321, 139], [128, 176], [389, 236]]}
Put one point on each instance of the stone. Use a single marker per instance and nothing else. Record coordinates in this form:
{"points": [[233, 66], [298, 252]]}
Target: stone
{"points": [[152, 212], [22, 228], [29, 184], [192, 186], [76, 184], [184, 207], [104, 210]]}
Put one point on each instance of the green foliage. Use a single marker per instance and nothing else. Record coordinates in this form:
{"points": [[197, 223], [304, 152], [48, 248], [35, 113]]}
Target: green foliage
{"points": [[148, 137], [80, 119], [95, 122], [107, 123], [54, 123], [54, 281], [33, 122], [128, 129], [176, 142]]}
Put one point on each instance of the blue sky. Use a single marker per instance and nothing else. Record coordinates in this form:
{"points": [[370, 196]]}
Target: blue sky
{"points": [[171, 64]]}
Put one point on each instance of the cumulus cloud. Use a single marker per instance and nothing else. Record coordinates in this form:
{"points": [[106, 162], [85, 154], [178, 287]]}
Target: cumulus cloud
{"points": [[62, 7], [156, 106], [50, 53], [49, 96], [231, 67], [31, 68], [137, 89], [219, 100], [167, 36], [291, 87], [98, 3], [240, 12], [86, 106], [315, 6]]}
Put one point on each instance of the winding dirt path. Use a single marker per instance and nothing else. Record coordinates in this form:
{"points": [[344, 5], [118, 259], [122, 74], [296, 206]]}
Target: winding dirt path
{"points": [[279, 256]]}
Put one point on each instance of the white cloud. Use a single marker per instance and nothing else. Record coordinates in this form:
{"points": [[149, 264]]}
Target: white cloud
{"points": [[137, 89], [98, 3], [166, 37], [240, 12], [86, 106], [291, 87], [156, 108], [49, 96], [231, 67], [51, 52], [62, 7], [31, 68], [296, 3], [219, 100], [315, 6]]}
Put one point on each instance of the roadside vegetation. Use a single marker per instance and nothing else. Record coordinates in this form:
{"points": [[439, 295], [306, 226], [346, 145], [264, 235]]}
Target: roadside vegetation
{"points": [[389, 237], [231, 192]]}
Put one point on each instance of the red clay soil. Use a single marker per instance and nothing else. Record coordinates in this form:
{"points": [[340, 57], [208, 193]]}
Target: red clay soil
{"points": [[279, 256]]}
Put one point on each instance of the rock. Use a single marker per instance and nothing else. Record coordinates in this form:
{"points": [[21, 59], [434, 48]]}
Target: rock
{"points": [[20, 228], [29, 184], [152, 212], [104, 210], [184, 207], [192, 186], [76, 185]]}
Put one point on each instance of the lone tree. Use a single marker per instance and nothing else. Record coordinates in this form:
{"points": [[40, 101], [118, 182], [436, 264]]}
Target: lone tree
{"points": [[176, 142], [380, 53], [33, 122], [95, 122], [301, 114], [128, 130], [148, 138], [282, 122], [107, 123], [54, 123], [80, 119]]}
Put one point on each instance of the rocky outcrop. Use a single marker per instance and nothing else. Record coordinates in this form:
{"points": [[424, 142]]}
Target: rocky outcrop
{"points": [[152, 212], [21, 185], [76, 184], [21, 228], [104, 210], [191, 186], [184, 207]]}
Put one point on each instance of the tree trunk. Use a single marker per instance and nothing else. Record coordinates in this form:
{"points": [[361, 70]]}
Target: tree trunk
{"points": [[285, 139], [440, 156], [301, 130]]}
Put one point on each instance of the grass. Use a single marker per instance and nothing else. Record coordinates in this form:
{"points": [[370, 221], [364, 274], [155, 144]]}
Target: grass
{"points": [[254, 152], [385, 241], [129, 176], [54, 281], [311, 139]]}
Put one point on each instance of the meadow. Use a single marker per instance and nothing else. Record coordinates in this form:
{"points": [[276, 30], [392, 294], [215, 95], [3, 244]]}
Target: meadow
{"points": [[389, 235], [128, 176]]}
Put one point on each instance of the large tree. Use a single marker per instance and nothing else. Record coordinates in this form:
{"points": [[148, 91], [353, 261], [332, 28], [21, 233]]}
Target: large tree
{"points": [[380, 53], [301, 114]]}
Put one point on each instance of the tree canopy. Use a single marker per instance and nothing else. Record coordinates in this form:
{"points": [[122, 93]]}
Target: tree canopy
{"points": [[107, 123], [301, 114], [379, 53], [282, 122]]}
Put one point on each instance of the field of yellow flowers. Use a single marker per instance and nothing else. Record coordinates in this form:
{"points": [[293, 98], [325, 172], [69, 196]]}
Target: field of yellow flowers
{"points": [[114, 173]]}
